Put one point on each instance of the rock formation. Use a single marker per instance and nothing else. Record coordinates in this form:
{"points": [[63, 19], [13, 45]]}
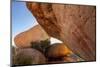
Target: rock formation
{"points": [[34, 34], [59, 53], [28, 56], [58, 50], [73, 24]]}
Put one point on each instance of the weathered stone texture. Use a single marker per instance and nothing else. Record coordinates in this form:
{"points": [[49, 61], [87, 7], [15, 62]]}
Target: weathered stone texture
{"points": [[73, 24]]}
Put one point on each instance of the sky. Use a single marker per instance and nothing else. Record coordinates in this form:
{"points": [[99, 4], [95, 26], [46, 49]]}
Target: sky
{"points": [[22, 19]]}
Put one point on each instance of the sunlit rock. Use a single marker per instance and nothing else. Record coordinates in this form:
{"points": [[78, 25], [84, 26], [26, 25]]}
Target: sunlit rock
{"points": [[72, 24], [35, 34]]}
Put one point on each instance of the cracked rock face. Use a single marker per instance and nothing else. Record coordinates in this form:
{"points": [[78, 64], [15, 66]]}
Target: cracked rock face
{"points": [[73, 24]]}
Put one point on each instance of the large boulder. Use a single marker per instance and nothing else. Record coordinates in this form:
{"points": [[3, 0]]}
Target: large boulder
{"points": [[28, 56], [34, 34], [75, 25], [58, 50]]}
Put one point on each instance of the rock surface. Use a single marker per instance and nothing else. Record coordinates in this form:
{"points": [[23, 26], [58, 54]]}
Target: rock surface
{"points": [[34, 34], [73, 24], [58, 50], [28, 56]]}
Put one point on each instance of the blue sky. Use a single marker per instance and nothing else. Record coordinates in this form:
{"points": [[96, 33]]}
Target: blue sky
{"points": [[22, 19]]}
